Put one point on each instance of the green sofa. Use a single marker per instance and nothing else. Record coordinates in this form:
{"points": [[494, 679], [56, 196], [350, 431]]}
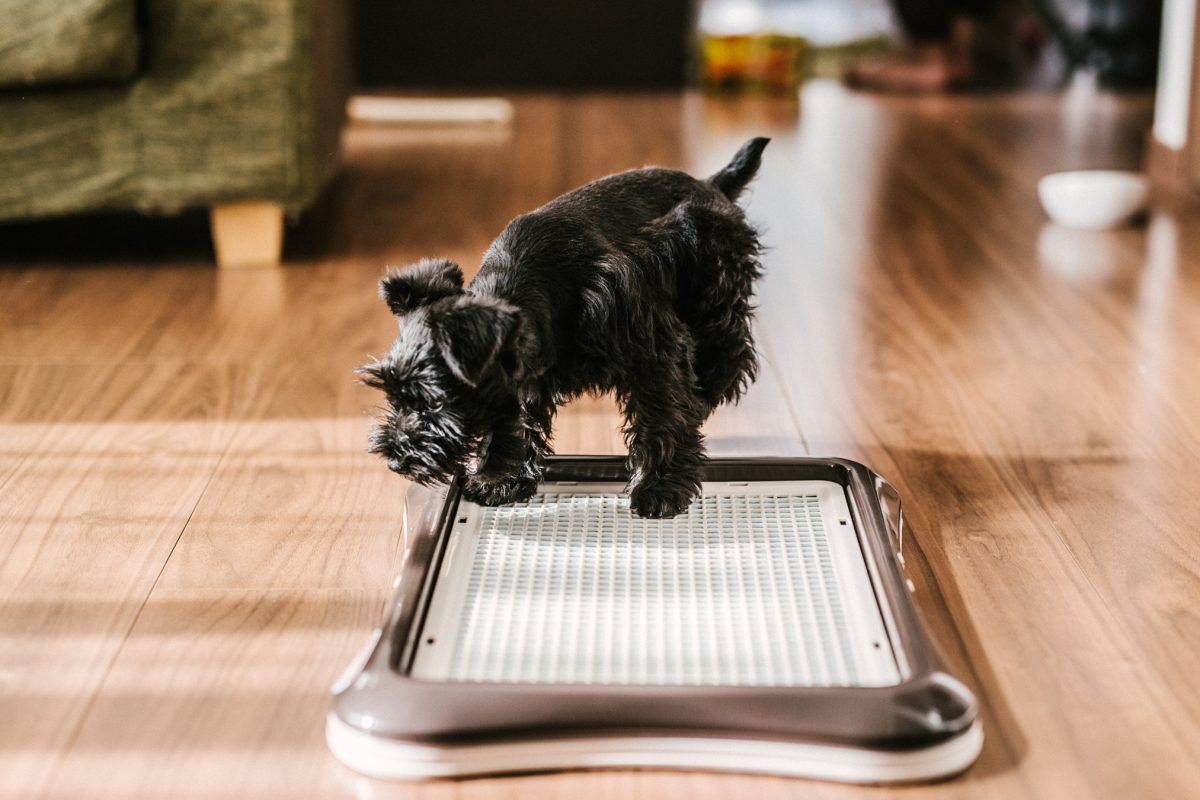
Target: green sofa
{"points": [[164, 105]]}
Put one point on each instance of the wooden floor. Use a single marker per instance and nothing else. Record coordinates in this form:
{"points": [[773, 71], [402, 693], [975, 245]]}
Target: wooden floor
{"points": [[193, 541]]}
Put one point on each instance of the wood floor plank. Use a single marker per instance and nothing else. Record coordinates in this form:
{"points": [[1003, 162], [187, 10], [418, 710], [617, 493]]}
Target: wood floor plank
{"points": [[295, 505], [638, 130], [193, 542], [88, 518], [1113, 484], [448, 192], [221, 693]]}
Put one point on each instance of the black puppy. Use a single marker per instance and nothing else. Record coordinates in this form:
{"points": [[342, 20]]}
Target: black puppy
{"points": [[638, 283]]}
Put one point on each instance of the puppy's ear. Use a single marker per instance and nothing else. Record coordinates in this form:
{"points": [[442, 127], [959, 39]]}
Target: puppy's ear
{"points": [[471, 334], [421, 284]]}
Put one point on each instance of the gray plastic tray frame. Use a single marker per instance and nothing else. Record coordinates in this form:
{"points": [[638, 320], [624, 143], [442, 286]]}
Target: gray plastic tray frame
{"points": [[929, 711]]}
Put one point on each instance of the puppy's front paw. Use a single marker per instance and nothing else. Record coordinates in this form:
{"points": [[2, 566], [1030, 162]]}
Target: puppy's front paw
{"points": [[499, 492], [653, 499]]}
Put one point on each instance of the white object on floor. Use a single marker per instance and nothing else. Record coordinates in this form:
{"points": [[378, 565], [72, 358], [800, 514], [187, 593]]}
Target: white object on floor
{"points": [[555, 630], [391, 759], [1171, 103], [1094, 199], [430, 110]]}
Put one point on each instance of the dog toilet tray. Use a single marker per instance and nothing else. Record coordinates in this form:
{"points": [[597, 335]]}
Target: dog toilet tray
{"points": [[770, 628]]}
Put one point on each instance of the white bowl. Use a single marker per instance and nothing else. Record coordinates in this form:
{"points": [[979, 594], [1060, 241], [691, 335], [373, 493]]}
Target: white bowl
{"points": [[1094, 199]]}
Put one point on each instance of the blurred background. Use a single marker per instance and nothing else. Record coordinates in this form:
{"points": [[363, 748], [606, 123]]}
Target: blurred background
{"points": [[234, 112], [764, 45]]}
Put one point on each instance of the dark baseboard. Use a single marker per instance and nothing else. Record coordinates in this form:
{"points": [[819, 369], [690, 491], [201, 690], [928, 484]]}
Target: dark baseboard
{"points": [[522, 44]]}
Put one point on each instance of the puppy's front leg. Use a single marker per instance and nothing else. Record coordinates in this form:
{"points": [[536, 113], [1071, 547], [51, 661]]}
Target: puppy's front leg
{"points": [[512, 469], [666, 449]]}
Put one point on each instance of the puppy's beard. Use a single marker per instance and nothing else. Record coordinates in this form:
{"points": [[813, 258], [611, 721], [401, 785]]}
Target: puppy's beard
{"points": [[477, 455]]}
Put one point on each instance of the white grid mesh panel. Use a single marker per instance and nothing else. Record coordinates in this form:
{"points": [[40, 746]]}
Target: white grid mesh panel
{"points": [[743, 589]]}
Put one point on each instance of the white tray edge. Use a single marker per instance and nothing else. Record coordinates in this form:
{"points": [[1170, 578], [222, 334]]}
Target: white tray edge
{"points": [[393, 759]]}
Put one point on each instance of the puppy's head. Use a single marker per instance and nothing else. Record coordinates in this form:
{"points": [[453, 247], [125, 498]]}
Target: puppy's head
{"points": [[449, 377]]}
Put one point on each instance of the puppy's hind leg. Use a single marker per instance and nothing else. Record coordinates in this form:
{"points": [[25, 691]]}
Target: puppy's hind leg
{"points": [[726, 359], [715, 252]]}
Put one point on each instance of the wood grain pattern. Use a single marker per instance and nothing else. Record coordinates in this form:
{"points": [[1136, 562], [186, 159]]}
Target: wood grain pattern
{"points": [[193, 541]]}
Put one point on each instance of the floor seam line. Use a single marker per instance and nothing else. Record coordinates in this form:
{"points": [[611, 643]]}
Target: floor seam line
{"points": [[781, 381], [107, 671]]}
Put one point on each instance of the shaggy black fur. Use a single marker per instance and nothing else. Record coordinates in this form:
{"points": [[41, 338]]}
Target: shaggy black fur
{"points": [[638, 283]]}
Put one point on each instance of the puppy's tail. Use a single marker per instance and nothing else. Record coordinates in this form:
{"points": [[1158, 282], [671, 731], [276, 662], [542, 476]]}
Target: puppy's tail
{"points": [[733, 178]]}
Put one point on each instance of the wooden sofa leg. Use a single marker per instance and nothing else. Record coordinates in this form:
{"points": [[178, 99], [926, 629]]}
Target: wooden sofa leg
{"points": [[247, 234]]}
